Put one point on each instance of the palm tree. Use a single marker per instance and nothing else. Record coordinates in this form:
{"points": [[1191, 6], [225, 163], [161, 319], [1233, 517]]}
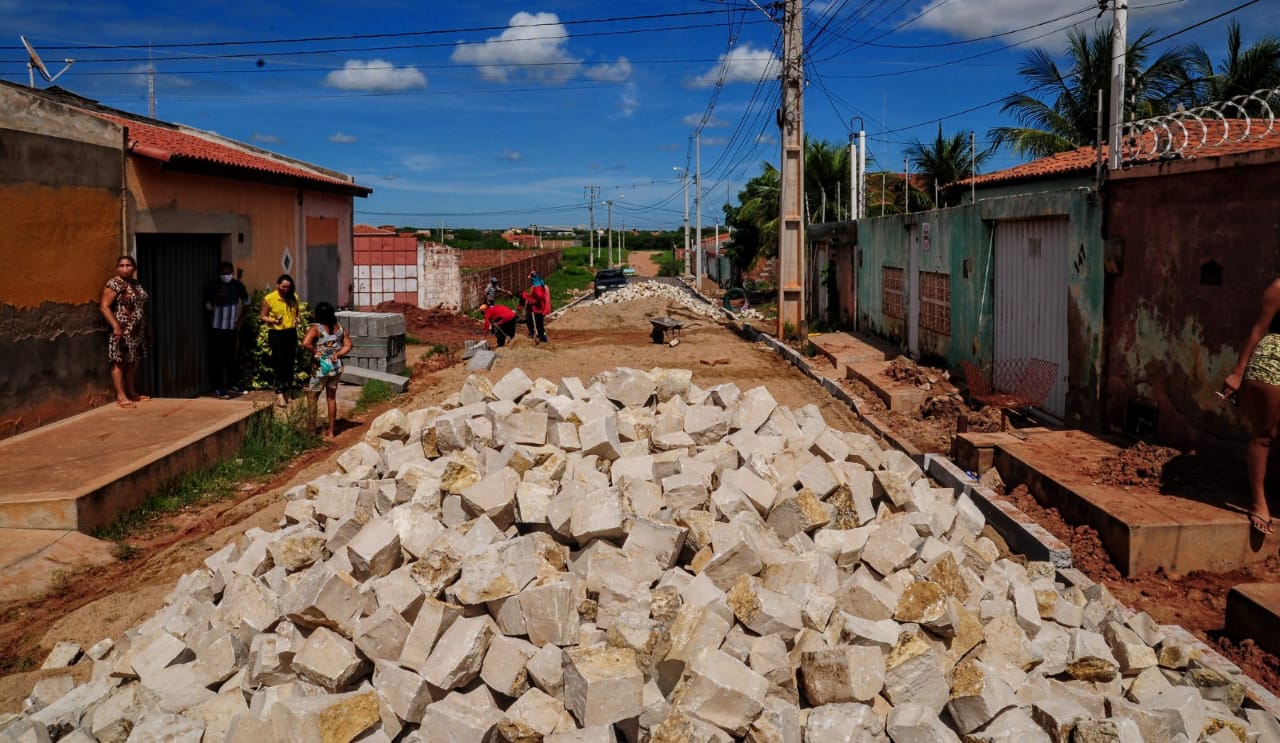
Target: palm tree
{"points": [[826, 180], [754, 222], [1058, 112], [1243, 71], [945, 161]]}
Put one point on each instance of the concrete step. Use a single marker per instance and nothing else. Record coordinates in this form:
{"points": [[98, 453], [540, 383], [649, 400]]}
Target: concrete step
{"points": [[32, 559], [1142, 530], [899, 397], [82, 472], [1253, 611], [843, 349]]}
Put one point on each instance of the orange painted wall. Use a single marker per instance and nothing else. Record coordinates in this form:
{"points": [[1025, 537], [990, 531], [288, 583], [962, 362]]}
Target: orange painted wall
{"points": [[268, 216], [59, 243], [169, 201]]}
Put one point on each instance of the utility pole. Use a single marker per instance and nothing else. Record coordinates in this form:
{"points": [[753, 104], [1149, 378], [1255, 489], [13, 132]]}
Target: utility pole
{"points": [[610, 230], [791, 122], [591, 196], [1119, 48], [697, 200], [151, 86], [684, 176]]}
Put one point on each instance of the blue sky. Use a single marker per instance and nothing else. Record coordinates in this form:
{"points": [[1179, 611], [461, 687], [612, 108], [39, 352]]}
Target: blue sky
{"points": [[496, 114]]}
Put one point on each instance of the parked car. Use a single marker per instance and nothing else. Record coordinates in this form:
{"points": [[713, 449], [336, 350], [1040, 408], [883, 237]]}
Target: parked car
{"points": [[629, 272], [608, 279]]}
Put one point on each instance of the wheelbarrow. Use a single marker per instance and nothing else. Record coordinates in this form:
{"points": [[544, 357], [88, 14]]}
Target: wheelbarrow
{"points": [[665, 329]]}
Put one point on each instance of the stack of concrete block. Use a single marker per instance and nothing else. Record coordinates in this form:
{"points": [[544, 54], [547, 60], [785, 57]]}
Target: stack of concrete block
{"points": [[377, 340], [633, 558]]}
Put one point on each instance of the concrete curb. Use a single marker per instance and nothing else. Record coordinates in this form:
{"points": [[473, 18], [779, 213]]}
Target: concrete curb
{"points": [[1018, 530]]}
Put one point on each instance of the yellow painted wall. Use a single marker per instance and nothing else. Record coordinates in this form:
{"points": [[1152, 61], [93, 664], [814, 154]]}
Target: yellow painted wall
{"points": [[59, 244]]}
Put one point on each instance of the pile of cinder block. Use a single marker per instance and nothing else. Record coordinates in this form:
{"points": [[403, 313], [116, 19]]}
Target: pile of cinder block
{"points": [[377, 340], [633, 558]]}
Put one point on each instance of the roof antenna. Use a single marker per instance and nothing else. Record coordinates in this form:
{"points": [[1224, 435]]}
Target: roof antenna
{"points": [[151, 85], [35, 64]]}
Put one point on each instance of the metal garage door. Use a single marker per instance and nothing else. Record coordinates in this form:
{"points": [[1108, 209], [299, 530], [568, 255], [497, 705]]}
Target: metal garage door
{"points": [[1031, 298], [175, 269]]}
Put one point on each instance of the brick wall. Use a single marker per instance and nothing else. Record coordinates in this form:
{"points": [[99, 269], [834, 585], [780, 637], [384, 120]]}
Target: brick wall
{"points": [[512, 276], [445, 284], [441, 272], [487, 258], [386, 269]]}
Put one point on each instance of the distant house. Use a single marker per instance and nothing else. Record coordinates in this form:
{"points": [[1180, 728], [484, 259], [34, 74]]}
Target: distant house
{"points": [[83, 183]]}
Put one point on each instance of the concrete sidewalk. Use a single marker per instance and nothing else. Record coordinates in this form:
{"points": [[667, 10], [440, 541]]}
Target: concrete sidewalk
{"points": [[80, 473]]}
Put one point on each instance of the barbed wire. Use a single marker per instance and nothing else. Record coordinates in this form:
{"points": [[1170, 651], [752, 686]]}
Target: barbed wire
{"points": [[1184, 134]]}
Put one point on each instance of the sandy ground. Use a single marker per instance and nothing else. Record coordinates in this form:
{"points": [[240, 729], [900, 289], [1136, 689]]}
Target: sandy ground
{"points": [[104, 602]]}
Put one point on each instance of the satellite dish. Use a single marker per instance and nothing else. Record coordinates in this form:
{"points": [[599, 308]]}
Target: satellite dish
{"points": [[34, 63]]}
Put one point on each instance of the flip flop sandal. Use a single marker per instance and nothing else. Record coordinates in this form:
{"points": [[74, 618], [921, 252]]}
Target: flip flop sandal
{"points": [[126, 404], [1259, 524]]}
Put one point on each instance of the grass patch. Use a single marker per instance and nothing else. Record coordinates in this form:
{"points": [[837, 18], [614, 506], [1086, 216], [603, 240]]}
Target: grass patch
{"points": [[269, 443], [436, 349], [373, 392], [412, 340]]}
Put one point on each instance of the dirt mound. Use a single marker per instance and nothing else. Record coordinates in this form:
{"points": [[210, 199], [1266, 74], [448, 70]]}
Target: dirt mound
{"points": [[1140, 466], [903, 369], [435, 325]]}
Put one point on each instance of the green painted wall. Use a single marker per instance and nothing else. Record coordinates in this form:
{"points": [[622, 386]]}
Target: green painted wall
{"points": [[961, 245]]}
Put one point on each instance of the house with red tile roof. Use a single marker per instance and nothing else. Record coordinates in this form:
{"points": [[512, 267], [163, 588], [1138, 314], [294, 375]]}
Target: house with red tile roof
{"points": [[83, 183]]}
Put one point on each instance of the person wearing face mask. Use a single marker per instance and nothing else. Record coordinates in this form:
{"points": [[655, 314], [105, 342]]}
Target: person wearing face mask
{"points": [[225, 300]]}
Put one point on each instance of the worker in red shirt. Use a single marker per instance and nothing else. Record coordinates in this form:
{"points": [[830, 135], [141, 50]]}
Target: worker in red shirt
{"points": [[501, 320], [537, 305]]}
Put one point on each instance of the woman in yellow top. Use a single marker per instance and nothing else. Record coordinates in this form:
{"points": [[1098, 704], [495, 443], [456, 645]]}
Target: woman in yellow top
{"points": [[280, 314]]}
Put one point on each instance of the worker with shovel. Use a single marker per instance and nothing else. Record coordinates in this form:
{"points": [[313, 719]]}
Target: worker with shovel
{"points": [[501, 319]]}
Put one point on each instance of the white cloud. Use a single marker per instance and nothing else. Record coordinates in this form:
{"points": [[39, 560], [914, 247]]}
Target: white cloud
{"points": [[976, 18], [714, 141], [628, 102], [421, 162], [532, 43], [766, 139], [341, 138], [265, 138], [743, 64], [696, 119], [376, 74], [512, 156], [163, 79], [618, 72]]}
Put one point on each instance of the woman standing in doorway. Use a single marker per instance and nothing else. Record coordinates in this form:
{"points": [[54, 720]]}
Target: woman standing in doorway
{"points": [[280, 314], [1257, 378], [124, 304]]}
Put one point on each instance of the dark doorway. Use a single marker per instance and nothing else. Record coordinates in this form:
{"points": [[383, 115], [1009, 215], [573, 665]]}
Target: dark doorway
{"points": [[175, 269]]}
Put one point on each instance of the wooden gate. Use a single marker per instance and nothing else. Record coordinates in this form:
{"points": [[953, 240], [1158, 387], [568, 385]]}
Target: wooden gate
{"points": [[1030, 295], [175, 269]]}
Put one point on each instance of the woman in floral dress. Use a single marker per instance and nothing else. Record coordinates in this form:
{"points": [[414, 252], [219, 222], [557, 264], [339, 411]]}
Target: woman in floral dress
{"points": [[124, 304]]}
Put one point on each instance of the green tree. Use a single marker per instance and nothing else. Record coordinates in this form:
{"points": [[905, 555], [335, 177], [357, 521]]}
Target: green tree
{"points": [[1058, 112], [945, 161], [826, 181], [755, 220], [1241, 72]]}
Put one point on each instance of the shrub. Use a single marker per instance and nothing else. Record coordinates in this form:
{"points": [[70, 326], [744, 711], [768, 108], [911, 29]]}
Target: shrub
{"points": [[255, 350], [668, 264]]}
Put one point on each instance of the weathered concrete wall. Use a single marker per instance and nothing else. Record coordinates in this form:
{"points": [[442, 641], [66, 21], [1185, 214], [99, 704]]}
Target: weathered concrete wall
{"points": [[961, 246], [441, 272], [60, 232], [1196, 243]]}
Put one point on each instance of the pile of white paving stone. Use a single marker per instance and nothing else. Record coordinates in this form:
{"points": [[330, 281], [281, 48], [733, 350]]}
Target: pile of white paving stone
{"points": [[663, 291], [635, 558]]}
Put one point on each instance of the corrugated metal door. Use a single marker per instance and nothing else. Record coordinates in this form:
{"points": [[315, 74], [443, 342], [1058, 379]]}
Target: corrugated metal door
{"points": [[1031, 298], [913, 290], [175, 269]]}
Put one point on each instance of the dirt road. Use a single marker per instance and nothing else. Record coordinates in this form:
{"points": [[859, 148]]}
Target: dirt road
{"points": [[642, 261], [105, 602]]}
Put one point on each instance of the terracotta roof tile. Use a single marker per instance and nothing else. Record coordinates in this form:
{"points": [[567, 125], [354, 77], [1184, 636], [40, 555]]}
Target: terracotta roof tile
{"points": [[367, 229], [1084, 159], [169, 142]]}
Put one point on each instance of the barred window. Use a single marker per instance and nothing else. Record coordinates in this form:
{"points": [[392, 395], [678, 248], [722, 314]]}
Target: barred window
{"points": [[895, 298], [935, 302]]}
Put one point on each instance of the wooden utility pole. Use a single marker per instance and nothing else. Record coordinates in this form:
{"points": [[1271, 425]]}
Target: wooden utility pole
{"points": [[791, 213]]}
